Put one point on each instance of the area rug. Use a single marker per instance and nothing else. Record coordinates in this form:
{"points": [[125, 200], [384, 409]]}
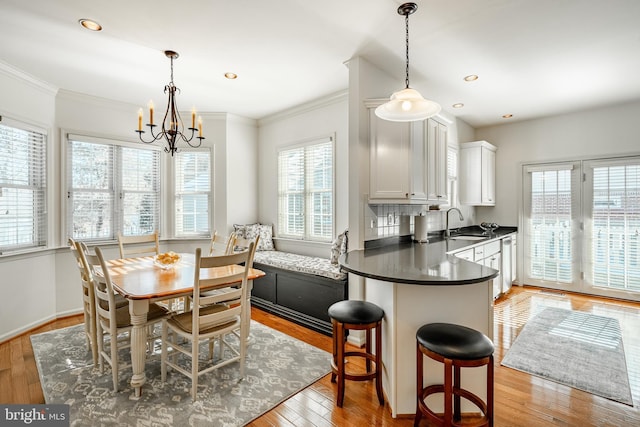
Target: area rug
{"points": [[277, 367], [574, 348]]}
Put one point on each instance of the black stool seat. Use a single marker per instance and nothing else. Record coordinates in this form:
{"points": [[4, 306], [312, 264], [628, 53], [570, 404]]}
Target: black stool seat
{"points": [[355, 312], [455, 347], [454, 341]]}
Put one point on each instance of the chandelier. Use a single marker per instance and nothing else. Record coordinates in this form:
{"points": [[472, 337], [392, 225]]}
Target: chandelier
{"points": [[407, 105], [172, 126]]}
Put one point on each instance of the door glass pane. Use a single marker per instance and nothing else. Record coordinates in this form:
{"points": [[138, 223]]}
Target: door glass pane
{"points": [[550, 225], [616, 227]]}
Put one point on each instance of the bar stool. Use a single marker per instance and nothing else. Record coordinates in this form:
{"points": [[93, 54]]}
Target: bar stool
{"points": [[356, 315], [455, 346]]}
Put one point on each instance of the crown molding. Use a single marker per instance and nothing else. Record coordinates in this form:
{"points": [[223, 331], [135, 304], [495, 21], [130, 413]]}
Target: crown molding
{"points": [[330, 99], [13, 72]]}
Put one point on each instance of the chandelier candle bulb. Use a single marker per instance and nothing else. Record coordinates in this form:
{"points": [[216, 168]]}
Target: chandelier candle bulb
{"points": [[193, 117], [150, 112], [200, 126], [140, 120]]}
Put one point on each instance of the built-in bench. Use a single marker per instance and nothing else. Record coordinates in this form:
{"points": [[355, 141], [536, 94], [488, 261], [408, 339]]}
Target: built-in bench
{"points": [[297, 287]]}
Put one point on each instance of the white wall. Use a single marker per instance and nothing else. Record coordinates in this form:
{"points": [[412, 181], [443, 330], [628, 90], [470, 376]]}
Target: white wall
{"points": [[324, 117], [607, 131], [27, 282], [41, 286], [242, 171]]}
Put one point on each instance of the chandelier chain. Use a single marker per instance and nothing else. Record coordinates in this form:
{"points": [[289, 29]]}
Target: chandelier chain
{"points": [[406, 23], [171, 69]]}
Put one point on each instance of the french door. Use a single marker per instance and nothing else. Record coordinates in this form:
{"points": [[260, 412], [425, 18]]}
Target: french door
{"points": [[581, 226]]}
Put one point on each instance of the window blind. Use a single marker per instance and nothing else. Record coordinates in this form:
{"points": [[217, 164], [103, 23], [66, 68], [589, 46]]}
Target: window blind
{"points": [[616, 226], [111, 188], [23, 214], [452, 175], [306, 191], [192, 192], [550, 225]]}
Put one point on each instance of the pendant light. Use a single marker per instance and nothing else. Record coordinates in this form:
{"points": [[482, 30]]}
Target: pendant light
{"points": [[407, 105]]}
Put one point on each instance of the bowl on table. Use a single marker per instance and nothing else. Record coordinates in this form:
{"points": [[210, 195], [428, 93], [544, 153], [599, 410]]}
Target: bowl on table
{"points": [[166, 260]]}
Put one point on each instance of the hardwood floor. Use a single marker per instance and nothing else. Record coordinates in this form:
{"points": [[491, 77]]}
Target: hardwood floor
{"points": [[520, 399]]}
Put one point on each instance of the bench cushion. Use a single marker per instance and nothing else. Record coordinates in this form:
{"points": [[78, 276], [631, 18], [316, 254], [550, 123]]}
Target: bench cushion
{"points": [[301, 263]]}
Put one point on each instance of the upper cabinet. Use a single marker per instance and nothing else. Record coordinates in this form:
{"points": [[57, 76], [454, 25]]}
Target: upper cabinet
{"points": [[436, 169], [408, 161], [478, 173]]}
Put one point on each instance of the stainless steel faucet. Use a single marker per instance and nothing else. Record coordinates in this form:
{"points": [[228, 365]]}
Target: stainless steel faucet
{"points": [[447, 233]]}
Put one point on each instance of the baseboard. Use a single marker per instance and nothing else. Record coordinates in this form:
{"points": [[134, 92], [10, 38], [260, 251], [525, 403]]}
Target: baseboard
{"points": [[37, 324]]}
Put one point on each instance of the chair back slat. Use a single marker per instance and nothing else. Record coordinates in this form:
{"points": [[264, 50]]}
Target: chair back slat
{"points": [[130, 246], [222, 245], [234, 296]]}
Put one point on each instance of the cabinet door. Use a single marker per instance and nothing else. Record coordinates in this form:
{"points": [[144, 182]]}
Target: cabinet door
{"points": [[436, 162], [418, 183], [494, 262], [488, 176], [389, 158], [468, 254]]}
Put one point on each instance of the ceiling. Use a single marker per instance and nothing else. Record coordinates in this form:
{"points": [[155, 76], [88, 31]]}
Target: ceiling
{"points": [[533, 57]]}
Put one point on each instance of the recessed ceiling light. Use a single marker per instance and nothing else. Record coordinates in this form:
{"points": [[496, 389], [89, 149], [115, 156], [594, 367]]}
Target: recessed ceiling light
{"points": [[471, 78], [507, 116], [231, 76], [458, 105], [90, 24]]}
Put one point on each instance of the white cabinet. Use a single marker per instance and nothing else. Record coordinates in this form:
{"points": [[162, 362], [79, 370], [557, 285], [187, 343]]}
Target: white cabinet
{"points": [[407, 161], [436, 143], [390, 148], [478, 173], [497, 254], [489, 254]]}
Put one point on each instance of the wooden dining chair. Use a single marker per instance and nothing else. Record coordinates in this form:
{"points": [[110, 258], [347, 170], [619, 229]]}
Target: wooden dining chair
{"points": [[137, 246], [111, 320], [88, 300], [222, 245], [211, 317]]}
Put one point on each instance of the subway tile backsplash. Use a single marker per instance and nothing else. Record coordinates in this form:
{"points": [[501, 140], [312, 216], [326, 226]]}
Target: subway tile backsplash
{"points": [[397, 220]]}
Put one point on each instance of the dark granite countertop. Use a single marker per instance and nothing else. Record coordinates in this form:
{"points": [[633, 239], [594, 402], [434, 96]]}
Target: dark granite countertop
{"points": [[423, 263]]}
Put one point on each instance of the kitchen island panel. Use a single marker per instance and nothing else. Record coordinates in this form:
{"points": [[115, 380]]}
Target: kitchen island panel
{"points": [[407, 307]]}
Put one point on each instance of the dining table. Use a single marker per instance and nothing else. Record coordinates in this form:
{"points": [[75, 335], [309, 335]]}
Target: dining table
{"points": [[142, 281]]}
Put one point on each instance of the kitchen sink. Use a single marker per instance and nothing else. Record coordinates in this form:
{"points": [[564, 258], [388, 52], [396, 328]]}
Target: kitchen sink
{"points": [[470, 238]]}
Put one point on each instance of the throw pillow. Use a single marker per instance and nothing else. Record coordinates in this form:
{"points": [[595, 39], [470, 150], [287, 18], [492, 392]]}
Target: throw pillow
{"points": [[266, 238], [337, 247]]}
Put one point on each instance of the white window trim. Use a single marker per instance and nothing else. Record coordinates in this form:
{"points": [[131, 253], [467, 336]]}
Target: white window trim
{"points": [[300, 144], [170, 202], [65, 136], [49, 220]]}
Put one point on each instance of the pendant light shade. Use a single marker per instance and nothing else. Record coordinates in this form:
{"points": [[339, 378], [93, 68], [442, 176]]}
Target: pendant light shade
{"points": [[407, 105]]}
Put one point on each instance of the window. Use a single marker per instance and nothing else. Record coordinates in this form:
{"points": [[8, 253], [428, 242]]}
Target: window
{"points": [[615, 225], [23, 214], [550, 225], [582, 226], [305, 191], [452, 175], [192, 193], [111, 188]]}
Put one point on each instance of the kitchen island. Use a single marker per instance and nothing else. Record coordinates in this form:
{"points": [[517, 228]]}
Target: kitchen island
{"points": [[415, 284]]}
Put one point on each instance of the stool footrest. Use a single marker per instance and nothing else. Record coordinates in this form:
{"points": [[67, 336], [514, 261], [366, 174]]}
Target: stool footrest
{"points": [[466, 394]]}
